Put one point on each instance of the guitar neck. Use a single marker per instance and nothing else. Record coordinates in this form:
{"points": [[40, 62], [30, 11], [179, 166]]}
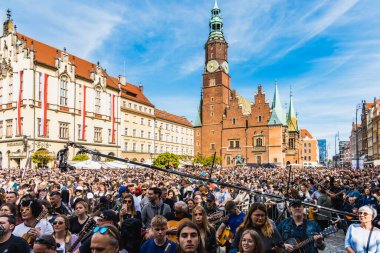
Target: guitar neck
{"points": [[303, 243], [82, 234]]}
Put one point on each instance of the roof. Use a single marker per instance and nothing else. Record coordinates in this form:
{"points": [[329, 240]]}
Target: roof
{"points": [[368, 105], [277, 116], [172, 118], [46, 55], [132, 92], [305, 134]]}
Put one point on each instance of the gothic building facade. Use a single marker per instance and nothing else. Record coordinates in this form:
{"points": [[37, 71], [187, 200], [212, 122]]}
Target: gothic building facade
{"points": [[233, 127]]}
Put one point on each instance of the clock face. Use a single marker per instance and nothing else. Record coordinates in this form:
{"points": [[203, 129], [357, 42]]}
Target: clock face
{"points": [[212, 66], [225, 67]]}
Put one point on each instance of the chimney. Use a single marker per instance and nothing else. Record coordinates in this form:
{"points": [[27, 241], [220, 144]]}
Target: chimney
{"points": [[122, 79], [141, 87]]}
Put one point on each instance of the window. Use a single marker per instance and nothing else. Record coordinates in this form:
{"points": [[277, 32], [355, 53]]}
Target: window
{"points": [[142, 148], [140, 108], [211, 107], [79, 131], [142, 121], [197, 143], [149, 135], [10, 90], [126, 131], [129, 105], [97, 101], [212, 99], [40, 127], [259, 142], [309, 145], [234, 144], [63, 92], [125, 146], [98, 134], [150, 111], [134, 133], [305, 146], [212, 146], [212, 82], [275, 160], [124, 104], [134, 147], [110, 135], [310, 151], [167, 126], [309, 158], [305, 151], [40, 85], [155, 136], [233, 121], [63, 130], [149, 148], [198, 133], [142, 134], [259, 119], [9, 128], [1, 129], [155, 149], [149, 122], [211, 114], [291, 143]]}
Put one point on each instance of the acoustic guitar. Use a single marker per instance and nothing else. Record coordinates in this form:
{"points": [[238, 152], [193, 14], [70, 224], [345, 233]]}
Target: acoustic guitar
{"points": [[84, 233], [175, 224], [29, 239], [225, 236], [297, 245]]}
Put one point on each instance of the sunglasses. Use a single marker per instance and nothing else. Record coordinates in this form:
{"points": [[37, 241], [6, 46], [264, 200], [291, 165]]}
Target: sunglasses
{"points": [[363, 213], [103, 230], [25, 203], [128, 201], [58, 222]]}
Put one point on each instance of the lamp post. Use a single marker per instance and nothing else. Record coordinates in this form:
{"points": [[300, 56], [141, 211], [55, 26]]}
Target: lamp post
{"points": [[358, 107], [336, 138]]}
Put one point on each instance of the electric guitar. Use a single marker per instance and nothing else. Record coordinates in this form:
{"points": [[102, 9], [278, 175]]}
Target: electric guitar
{"points": [[29, 239], [83, 234], [297, 246]]}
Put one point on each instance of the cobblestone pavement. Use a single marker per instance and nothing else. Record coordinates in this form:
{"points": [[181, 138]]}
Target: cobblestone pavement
{"points": [[335, 243]]}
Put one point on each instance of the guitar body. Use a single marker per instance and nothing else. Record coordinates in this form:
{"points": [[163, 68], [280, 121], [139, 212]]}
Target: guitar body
{"points": [[294, 242], [175, 224], [26, 236], [225, 237]]}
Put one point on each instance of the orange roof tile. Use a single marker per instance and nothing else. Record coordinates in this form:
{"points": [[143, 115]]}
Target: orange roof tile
{"points": [[132, 92], [305, 133], [171, 117], [368, 105]]}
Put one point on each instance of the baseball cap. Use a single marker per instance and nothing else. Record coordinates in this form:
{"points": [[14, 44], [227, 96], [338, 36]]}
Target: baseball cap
{"points": [[295, 202]]}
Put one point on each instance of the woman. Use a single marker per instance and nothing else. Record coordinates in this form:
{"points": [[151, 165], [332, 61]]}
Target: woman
{"points": [[208, 233], [358, 236], [250, 242], [258, 220], [367, 199], [81, 216], [128, 210], [62, 234], [190, 204], [8, 209]]}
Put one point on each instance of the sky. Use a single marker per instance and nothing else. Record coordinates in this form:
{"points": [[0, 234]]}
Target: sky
{"points": [[326, 52]]}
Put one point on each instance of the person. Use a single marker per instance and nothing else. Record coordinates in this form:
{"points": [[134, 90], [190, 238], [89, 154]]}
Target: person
{"points": [[58, 205], [10, 243], [8, 209], [159, 243], [250, 242], [300, 228], [212, 211], [189, 240], [128, 209], [45, 244], [11, 198], [323, 217], [363, 237], [190, 204], [81, 217], [258, 220], [62, 234], [154, 207], [30, 210], [105, 239], [207, 231]]}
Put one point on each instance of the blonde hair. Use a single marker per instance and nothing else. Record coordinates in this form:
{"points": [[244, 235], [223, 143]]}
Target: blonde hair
{"points": [[205, 223], [159, 221], [259, 246]]}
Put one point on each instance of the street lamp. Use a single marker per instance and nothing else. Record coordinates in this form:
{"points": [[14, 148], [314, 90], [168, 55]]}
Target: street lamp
{"points": [[358, 107], [336, 138]]}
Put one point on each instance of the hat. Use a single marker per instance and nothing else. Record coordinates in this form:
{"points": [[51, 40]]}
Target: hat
{"points": [[295, 202], [210, 197], [79, 188], [109, 215], [47, 240], [122, 189], [90, 195]]}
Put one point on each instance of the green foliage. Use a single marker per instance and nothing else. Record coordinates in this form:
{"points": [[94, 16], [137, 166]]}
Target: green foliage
{"points": [[81, 157], [42, 157], [163, 160], [206, 161]]}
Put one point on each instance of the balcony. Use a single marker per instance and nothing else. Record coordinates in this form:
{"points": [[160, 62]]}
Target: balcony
{"points": [[259, 149]]}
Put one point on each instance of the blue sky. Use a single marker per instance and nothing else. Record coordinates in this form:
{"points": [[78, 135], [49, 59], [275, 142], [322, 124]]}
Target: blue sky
{"points": [[327, 51]]}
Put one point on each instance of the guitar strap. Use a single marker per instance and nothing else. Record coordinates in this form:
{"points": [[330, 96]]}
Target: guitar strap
{"points": [[369, 238]]}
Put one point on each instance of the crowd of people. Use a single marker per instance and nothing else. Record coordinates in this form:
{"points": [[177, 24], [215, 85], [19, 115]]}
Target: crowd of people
{"points": [[143, 210]]}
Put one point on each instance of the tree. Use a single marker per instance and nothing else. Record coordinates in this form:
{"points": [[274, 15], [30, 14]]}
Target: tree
{"points": [[163, 160], [206, 161], [81, 157], [42, 157]]}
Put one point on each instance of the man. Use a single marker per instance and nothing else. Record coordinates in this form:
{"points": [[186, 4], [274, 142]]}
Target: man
{"points": [[159, 243], [189, 238], [8, 242], [58, 205], [178, 216], [30, 210], [107, 217], [301, 229], [214, 214], [336, 194], [154, 207], [105, 240], [45, 244], [352, 192], [11, 198]]}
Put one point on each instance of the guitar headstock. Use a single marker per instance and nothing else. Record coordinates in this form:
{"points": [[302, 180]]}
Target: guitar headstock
{"points": [[330, 230], [91, 222]]}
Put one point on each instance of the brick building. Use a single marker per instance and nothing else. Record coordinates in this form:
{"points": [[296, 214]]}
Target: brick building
{"points": [[233, 127]]}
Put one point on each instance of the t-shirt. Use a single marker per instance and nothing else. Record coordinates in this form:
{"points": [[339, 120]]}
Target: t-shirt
{"points": [[43, 226], [150, 246], [14, 244], [75, 226], [234, 221]]}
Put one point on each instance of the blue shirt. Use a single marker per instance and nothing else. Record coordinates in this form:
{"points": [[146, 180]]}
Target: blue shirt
{"points": [[357, 238], [150, 246], [234, 221]]}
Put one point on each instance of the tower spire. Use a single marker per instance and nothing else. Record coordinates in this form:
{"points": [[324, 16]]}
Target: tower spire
{"points": [[277, 116], [8, 24], [216, 23], [292, 117], [198, 119]]}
